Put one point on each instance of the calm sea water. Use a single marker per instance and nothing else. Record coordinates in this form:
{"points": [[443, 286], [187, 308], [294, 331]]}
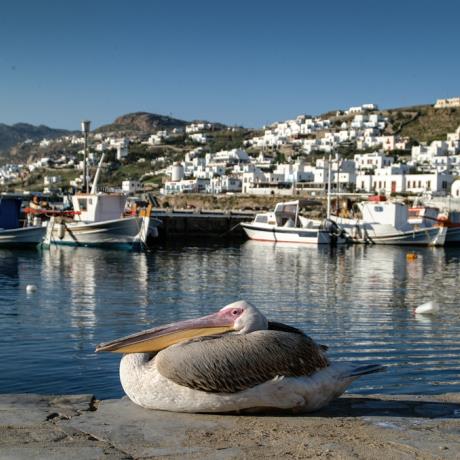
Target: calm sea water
{"points": [[358, 300]]}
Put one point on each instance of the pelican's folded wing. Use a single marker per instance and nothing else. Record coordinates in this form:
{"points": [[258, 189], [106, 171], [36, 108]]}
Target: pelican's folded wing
{"points": [[232, 363]]}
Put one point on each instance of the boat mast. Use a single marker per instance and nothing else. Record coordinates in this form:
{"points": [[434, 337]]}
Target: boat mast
{"points": [[85, 127], [328, 209], [96, 176]]}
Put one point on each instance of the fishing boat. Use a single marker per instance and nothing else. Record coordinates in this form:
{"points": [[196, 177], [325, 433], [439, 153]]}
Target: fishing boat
{"points": [[98, 220], [12, 233], [385, 222], [286, 224]]}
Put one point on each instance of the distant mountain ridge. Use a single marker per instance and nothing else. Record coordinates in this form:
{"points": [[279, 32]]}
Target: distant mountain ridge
{"points": [[20, 132]]}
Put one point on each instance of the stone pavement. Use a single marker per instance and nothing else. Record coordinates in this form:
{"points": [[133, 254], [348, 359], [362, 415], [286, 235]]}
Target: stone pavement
{"points": [[366, 427]]}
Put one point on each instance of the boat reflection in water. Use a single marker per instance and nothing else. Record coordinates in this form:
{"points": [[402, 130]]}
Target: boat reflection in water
{"points": [[92, 281]]}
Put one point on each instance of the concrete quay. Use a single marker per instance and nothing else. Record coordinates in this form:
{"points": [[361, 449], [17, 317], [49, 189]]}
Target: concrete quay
{"points": [[352, 427]]}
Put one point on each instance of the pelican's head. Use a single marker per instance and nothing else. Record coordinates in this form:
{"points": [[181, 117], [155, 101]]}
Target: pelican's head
{"points": [[246, 317], [239, 317]]}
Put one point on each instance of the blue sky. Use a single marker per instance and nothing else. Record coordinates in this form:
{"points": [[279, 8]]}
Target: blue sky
{"points": [[240, 62]]}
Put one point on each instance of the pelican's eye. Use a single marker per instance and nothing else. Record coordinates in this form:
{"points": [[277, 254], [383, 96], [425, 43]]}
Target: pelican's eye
{"points": [[236, 312]]}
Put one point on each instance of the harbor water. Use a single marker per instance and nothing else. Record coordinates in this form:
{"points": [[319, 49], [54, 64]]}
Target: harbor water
{"points": [[358, 300]]}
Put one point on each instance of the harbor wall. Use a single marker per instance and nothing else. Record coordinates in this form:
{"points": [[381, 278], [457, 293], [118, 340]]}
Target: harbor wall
{"points": [[201, 224]]}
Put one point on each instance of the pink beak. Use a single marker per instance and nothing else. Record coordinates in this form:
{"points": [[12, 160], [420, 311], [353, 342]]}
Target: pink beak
{"points": [[161, 337]]}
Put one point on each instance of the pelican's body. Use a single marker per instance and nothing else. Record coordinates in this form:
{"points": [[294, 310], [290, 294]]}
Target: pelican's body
{"points": [[261, 366]]}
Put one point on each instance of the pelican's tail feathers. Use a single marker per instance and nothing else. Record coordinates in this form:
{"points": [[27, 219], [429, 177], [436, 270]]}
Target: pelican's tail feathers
{"points": [[357, 371]]}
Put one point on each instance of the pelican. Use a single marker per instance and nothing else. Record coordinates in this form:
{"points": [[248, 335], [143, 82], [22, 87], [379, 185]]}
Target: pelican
{"points": [[232, 360]]}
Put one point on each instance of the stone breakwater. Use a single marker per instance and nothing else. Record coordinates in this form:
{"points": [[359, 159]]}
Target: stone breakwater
{"points": [[354, 426]]}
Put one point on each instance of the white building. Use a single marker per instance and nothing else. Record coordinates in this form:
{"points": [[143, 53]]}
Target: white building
{"points": [[455, 189], [228, 157], [196, 185], [371, 161], [224, 184], [199, 138], [450, 102], [397, 179], [131, 186], [197, 127]]}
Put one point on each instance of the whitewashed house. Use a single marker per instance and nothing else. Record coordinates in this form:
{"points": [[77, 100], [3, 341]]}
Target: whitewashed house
{"points": [[199, 138], [131, 186], [196, 185], [455, 189], [371, 161], [224, 184]]}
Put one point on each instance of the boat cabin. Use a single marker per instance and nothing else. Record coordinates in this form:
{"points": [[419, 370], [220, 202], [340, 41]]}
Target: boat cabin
{"points": [[385, 213], [98, 207], [287, 215]]}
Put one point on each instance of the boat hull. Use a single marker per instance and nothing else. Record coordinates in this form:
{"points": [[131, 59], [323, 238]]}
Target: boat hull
{"points": [[288, 235], [375, 233], [21, 237], [433, 236], [118, 233]]}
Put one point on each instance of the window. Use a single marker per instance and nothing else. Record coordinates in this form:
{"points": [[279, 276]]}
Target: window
{"points": [[82, 204], [378, 208], [261, 219]]}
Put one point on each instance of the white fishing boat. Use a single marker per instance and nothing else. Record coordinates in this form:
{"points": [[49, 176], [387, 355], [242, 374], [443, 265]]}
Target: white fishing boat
{"points": [[286, 224], [98, 220], [11, 231], [385, 222]]}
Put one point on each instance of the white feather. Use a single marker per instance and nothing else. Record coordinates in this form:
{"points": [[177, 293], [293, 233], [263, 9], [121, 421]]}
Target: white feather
{"points": [[146, 387]]}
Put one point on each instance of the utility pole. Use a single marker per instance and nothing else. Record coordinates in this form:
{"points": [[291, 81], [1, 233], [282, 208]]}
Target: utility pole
{"points": [[85, 128]]}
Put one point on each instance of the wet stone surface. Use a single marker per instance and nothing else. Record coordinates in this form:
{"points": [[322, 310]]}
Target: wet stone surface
{"points": [[68, 427]]}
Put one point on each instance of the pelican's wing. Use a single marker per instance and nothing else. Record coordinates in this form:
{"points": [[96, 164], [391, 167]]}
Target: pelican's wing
{"points": [[231, 363], [275, 326]]}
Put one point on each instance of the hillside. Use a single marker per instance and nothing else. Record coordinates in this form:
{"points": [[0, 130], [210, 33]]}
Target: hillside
{"points": [[20, 132], [142, 122], [431, 124], [421, 123]]}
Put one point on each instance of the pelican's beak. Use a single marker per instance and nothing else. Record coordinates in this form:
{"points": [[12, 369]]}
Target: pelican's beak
{"points": [[158, 338]]}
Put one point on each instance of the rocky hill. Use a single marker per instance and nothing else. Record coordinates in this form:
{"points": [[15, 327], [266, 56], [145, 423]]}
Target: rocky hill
{"points": [[21, 132], [142, 122]]}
